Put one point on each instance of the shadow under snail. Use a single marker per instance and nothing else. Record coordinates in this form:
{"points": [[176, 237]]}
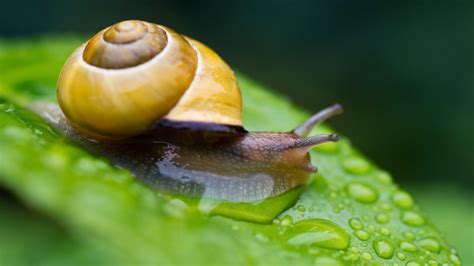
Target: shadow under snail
{"points": [[168, 108]]}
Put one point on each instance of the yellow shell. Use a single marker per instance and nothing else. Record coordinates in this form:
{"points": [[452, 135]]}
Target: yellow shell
{"points": [[134, 73]]}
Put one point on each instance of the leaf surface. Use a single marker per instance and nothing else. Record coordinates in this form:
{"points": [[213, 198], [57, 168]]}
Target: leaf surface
{"points": [[351, 212]]}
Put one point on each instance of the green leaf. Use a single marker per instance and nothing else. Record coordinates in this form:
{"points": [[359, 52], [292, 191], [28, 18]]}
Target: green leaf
{"points": [[350, 212]]}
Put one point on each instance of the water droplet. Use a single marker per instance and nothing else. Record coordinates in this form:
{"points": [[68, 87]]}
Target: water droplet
{"points": [[362, 235], [402, 199], [407, 246], [409, 235], [383, 248], [382, 218], [286, 221], [384, 231], [384, 177], [366, 256], [356, 165], [301, 208], [433, 263], [318, 232], [454, 259], [351, 256], [430, 244], [176, 208], [361, 192], [401, 256], [413, 263], [356, 223], [207, 205], [327, 261], [354, 249], [412, 218]]}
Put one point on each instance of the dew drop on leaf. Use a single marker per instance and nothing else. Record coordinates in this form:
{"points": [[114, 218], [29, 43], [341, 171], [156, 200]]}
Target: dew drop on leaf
{"points": [[366, 218], [383, 248], [384, 177], [384, 231], [401, 255], [454, 259], [402, 199], [354, 249], [176, 208], [382, 218], [366, 256], [409, 235], [408, 246], [301, 208], [355, 165], [362, 235], [286, 221], [412, 218], [430, 244], [356, 223], [318, 232], [361, 192]]}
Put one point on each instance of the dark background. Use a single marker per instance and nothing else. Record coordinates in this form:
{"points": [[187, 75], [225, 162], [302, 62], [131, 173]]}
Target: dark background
{"points": [[403, 70]]}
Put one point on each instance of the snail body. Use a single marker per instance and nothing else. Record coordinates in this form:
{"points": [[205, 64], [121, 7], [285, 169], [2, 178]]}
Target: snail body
{"points": [[168, 109]]}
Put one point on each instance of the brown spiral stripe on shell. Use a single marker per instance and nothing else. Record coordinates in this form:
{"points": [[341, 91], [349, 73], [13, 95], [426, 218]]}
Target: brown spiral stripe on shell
{"points": [[125, 44]]}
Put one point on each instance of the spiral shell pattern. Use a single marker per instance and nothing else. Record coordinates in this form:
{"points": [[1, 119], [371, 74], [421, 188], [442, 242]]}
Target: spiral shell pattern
{"points": [[133, 74]]}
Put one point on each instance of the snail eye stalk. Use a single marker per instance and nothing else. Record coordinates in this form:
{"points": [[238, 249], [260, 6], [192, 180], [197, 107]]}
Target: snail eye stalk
{"points": [[304, 129], [315, 140]]}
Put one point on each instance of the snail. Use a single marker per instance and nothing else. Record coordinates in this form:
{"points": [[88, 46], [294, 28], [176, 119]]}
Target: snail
{"points": [[169, 109]]}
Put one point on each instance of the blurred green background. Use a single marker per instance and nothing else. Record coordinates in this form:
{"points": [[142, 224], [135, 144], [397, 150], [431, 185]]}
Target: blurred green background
{"points": [[403, 70]]}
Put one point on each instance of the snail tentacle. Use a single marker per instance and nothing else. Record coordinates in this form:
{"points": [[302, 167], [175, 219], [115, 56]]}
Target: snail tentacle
{"points": [[321, 116], [312, 141]]}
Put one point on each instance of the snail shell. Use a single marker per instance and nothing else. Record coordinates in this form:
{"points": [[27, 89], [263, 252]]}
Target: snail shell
{"points": [[133, 74]]}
